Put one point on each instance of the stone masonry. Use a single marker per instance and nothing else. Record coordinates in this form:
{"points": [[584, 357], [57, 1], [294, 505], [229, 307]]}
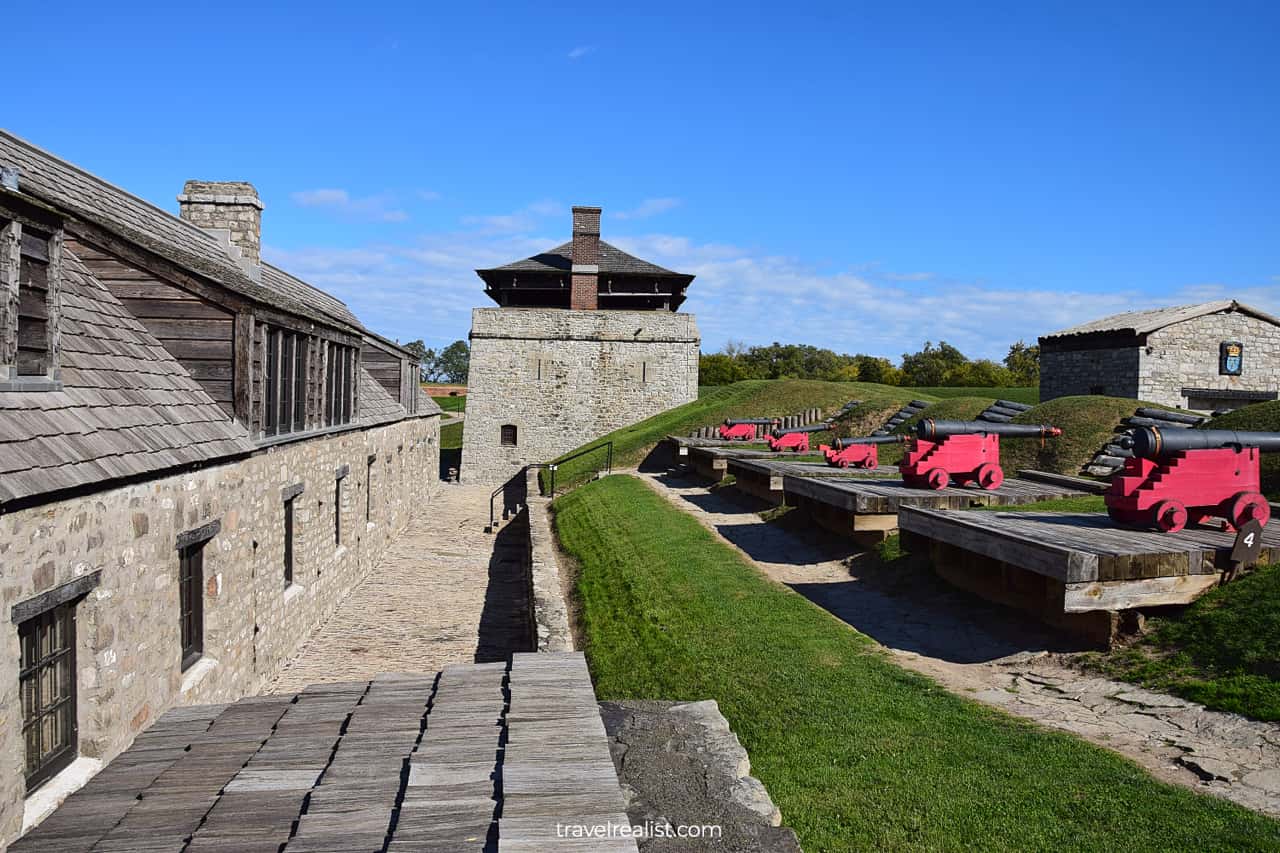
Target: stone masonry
{"points": [[563, 378], [1180, 355], [127, 628]]}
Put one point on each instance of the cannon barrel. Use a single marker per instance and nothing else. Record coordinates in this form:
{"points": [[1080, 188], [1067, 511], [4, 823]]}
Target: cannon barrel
{"points": [[756, 421], [1153, 442], [930, 429], [842, 443], [781, 431]]}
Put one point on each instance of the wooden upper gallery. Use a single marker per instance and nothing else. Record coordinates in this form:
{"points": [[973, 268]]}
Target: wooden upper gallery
{"points": [[133, 341]]}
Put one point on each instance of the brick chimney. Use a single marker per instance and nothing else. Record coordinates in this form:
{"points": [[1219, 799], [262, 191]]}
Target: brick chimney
{"points": [[583, 287], [231, 210]]}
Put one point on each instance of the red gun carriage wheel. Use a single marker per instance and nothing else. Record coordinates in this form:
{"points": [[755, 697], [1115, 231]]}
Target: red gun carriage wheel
{"points": [[1170, 516], [844, 463], [990, 476], [1246, 507], [937, 478]]}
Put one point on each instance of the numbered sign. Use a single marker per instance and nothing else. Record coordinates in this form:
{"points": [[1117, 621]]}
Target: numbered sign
{"points": [[1248, 544]]}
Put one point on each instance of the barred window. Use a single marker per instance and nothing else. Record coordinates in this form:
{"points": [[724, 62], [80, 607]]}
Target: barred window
{"points": [[508, 435], [30, 305], [191, 602], [285, 396], [338, 385], [46, 679]]}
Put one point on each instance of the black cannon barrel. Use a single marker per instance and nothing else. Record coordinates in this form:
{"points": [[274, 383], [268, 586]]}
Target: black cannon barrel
{"points": [[1153, 442], [930, 429], [781, 431], [842, 443], [756, 421]]}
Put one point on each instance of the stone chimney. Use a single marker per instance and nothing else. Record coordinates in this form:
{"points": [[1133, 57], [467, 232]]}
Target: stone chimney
{"points": [[583, 282], [231, 210]]}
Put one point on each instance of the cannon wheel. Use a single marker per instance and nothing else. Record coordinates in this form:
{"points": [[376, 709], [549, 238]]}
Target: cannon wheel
{"points": [[1170, 516], [990, 476], [844, 463], [868, 464], [1246, 507], [937, 478]]}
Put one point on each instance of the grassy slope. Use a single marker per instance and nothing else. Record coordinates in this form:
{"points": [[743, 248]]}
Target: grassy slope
{"points": [[1029, 395], [1087, 423], [451, 437], [857, 752], [754, 398], [451, 404], [1223, 651], [1264, 417]]}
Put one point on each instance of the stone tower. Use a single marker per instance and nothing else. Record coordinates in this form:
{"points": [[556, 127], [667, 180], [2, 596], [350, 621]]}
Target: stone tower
{"points": [[586, 340]]}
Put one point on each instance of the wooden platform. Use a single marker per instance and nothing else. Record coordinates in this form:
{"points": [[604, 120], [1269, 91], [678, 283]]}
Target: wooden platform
{"points": [[414, 762], [851, 505], [711, 462], [763, 477], [1061, 565]]}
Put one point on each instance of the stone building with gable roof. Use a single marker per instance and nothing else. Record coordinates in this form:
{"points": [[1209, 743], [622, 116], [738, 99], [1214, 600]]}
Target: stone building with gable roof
{"points": [[587, 339], [1204, 357], [199, 455]]}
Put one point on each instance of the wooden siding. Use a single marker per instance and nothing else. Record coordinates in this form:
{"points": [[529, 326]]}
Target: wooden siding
{"points": [[196, 332], [383, 367]]}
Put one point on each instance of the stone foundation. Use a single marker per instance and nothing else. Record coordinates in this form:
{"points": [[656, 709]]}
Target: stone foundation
{"points": [[127, 628]]}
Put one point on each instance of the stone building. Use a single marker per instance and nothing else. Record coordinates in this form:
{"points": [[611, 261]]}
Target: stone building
{"points": [[199, 455], [1214, 355], [587, 339]]}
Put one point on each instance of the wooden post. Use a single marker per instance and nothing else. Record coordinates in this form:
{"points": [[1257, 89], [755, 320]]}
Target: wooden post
{"points": [[242, 369]]}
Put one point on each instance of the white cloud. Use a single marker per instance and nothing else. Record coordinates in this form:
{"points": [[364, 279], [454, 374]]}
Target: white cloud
{"points": [[648, 207], [525, 219], [380, 207], [425, 288], [581, 51]]}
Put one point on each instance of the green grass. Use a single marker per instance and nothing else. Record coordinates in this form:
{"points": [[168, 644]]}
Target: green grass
{"points": [[1088, 503], [451, 437], [754, 398], [1087, 424], [859, 753], [1029, 395], [1223, 651], [451, 404], [1266, 418]]}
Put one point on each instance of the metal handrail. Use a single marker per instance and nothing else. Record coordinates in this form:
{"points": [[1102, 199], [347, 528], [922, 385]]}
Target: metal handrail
{"points": [[550, 466]]}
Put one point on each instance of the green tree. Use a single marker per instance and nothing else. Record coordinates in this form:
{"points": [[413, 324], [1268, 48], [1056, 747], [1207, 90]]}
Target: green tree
{"points": [[929, 366], [419, 349], [454, 361], [1023, 362], [719, 369]]}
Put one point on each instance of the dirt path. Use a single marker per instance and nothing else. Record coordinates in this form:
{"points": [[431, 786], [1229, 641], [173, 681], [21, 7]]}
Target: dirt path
{"points": [[445, 592], [993, 655]]}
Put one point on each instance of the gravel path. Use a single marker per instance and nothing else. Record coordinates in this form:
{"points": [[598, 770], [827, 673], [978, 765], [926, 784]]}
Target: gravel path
{"points": [[445, 592], [996, 656]]}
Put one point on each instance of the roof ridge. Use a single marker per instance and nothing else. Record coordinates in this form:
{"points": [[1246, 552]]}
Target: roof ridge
{"points": [[31, 146]]}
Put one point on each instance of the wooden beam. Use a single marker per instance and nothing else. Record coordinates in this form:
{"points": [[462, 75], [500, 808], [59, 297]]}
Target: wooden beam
{"points": [[242, 368]]}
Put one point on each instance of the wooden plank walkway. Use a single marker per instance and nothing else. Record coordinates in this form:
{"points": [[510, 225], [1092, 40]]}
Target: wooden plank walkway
{"points": [[1100, 565], [407, 762], [886, 496]]}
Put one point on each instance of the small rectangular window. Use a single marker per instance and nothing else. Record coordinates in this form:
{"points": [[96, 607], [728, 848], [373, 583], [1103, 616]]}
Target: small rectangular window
{"points": [[288, 541], [46, 680], [191, 602], [337, 511], [271, 371], [508, 435], [368, 492]]}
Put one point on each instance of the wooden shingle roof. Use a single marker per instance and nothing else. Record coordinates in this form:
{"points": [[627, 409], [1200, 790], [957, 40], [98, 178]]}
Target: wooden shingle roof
{"points": [[95, 201], [611, 260], [126, 408], [376, 405], [1145, 322]]}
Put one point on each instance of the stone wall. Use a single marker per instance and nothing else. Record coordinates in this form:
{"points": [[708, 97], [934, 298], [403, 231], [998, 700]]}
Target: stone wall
{"points": [[1181, 355], [127, 629], [1112, 372], [563, 378], [1185, 355]]}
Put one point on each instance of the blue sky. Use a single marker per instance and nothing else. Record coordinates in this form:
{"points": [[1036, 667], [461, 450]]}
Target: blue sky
{"points": [[862, 176]]}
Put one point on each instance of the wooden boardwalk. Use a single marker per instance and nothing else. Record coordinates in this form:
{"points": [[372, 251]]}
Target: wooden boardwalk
{"points": [[399, 763], [1095, 564]]}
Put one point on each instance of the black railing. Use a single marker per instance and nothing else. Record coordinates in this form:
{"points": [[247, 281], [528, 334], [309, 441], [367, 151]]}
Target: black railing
{"points": [[516, 490]]}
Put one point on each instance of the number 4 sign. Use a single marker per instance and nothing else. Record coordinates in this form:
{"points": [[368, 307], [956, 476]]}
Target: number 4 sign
{"points": [[1248, 544]]}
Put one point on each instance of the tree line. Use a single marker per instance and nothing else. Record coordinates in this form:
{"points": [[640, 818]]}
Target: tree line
{"points": [[941, 365], [451, 364]]}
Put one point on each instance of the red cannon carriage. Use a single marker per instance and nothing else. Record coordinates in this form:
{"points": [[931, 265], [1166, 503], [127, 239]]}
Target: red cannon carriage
{"points": [[858, 452], [795, 439], [745, 429], [1181, 477], [961, 452]]}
